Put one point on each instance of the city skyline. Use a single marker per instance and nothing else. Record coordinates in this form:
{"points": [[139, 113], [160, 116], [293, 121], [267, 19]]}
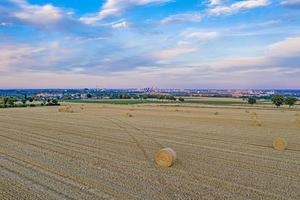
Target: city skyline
{"points": [[216, 44]]}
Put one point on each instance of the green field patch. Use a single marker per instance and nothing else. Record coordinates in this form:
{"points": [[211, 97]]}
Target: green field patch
{"points": [[135, 101], [112, 101], [215, 102]]}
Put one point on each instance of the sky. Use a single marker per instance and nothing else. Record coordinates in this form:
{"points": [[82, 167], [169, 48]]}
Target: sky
{"points": [[221, 44]]}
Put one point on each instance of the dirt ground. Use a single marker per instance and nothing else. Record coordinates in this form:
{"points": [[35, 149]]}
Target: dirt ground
{"points": [[108, 151]]}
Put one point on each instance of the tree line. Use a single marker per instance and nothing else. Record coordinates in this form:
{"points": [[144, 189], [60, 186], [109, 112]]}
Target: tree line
{"points": [[24, 101], [278, 100]]}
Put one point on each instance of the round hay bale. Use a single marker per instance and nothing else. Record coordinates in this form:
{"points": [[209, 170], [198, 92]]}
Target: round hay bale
{"points": [[279, 144], [259, 124], [67, 109], [165, 157], [70, 109]]}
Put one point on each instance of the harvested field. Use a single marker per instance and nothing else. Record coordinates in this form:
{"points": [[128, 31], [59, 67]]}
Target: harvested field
{"points": [[99, 152]]}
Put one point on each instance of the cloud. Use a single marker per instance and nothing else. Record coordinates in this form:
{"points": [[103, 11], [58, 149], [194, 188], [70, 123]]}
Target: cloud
{"points": [[284, 54], [196, 35], [39, 57], [5, 24], [293, 4], [112, 66], [290, 2], [47, 18], [43, 16], [116, 7], [23, 63], [135, 52], [183, 17], [11, 56], [259, 24], [280, 60], [237, 7], [175, 51], [288, 47], [39, 15], [210, 76], [121, 24], [69, 55], [214, 2]]}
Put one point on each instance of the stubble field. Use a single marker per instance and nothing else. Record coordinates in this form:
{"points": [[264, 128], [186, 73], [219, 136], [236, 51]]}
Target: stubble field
{"points": [[107, 152]]}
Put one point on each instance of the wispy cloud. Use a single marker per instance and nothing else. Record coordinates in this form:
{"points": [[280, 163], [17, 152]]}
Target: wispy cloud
{"points": [[291, 2], [282, 55], [39, 57], [40, 15], [175, 51], [215, 2], [259, 24], [183, 17], [45, 17], [5, 24], [288, 47], [199, 35], [237, 6], [13, 56], [117, 7], [241, 72], [120, 24]]}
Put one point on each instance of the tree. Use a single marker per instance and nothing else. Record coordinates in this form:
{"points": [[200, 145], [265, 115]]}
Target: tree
{"points": [[124, 96], [290, 100], [55, 102], [11, 101], [24, 100], [30, 99], [251, 100], [278, 99], [5, 100], [181, 99], [43, 103], [1, 101], [161, 97], [172, 98]]}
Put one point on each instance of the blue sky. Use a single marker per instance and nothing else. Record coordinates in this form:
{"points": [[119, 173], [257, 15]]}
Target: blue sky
{"points": [[144, 43]]}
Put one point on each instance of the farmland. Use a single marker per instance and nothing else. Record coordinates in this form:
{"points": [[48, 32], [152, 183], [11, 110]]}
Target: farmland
{"points": [[106, 151], [213, 101], [133, 101]]}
